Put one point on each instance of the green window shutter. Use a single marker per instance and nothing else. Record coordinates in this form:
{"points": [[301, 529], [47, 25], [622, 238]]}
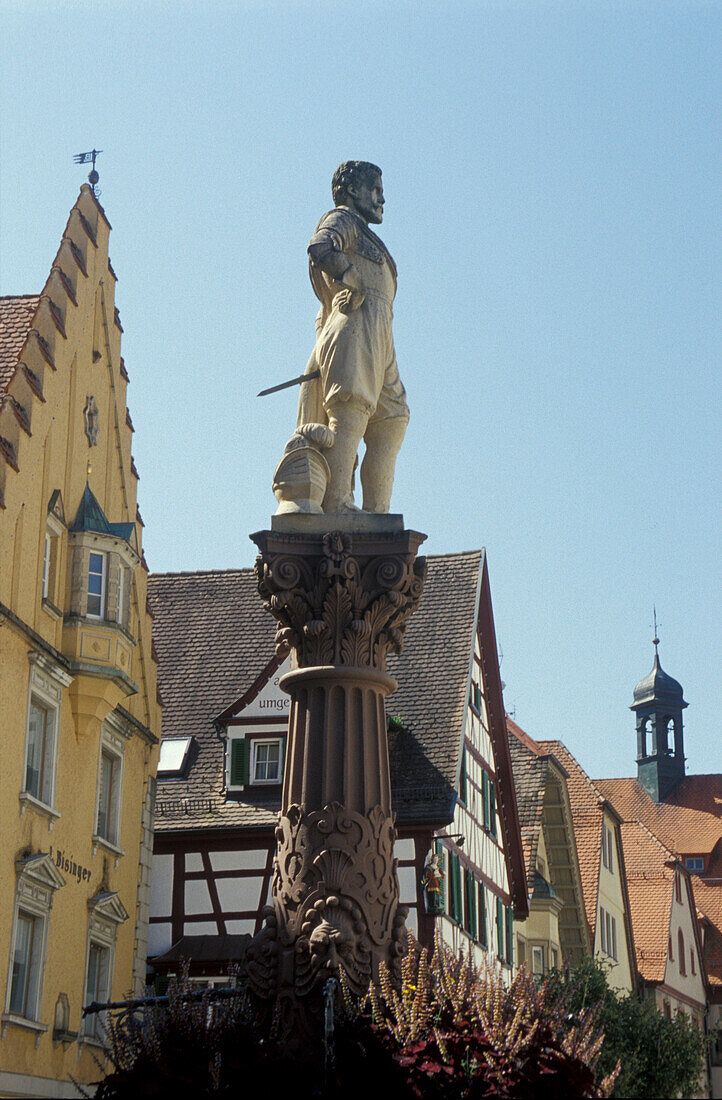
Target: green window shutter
{"points": [[462, 778], [240, 753], [455, 902], [485, 797], [471, 895], [492, 807], [510, 935], [483, 931], [500, 928]]}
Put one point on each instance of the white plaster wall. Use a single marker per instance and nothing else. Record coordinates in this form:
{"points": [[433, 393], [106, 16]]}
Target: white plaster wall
{"points": [[405, 849], [251, 860], [240, 927], [194, 861], [159, 938], [196, 897], [407, 885], [161, 886], [270, 702], [237, 894], [690, 985]]}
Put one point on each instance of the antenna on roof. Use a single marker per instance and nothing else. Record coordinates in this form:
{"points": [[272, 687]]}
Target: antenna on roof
{"points": [[86, 158]]}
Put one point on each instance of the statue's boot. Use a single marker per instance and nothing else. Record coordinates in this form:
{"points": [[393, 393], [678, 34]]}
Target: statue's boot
{"points": [[383, 441], [348, 423]]}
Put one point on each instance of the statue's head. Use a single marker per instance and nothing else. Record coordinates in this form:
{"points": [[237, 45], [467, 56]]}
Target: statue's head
{"points": [[357, 183]]}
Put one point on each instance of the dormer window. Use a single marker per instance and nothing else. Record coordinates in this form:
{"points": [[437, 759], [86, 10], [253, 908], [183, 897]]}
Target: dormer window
{"points": [[266, 761], [96, 585]]}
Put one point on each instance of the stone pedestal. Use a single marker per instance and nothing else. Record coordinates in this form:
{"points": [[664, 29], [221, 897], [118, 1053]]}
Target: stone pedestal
{"points": [[342, 600]]}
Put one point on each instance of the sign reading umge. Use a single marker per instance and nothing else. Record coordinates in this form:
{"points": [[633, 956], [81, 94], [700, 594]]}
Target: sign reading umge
{"points": [[257, 737], [65, 862]]}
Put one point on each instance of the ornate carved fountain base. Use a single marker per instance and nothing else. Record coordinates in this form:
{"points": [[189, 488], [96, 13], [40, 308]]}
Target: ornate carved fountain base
{"points": [[342, 600]]}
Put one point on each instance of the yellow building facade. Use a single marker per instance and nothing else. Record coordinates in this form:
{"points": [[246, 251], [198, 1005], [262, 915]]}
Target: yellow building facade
{"points": [[79, 712]]}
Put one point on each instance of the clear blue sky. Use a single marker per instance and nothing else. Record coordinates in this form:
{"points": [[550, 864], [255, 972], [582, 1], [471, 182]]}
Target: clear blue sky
{"points": [[552, 180]]}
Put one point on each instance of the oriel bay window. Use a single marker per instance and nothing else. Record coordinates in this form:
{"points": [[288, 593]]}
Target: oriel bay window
{"points": [[96, 585]]}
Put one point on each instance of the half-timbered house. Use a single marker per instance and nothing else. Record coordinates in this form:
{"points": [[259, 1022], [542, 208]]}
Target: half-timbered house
{"points": [[224, 733]]}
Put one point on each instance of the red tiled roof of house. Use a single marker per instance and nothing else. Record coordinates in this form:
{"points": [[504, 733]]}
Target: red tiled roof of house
{"points": [[16, 318], [650, 885], [689, 821]]}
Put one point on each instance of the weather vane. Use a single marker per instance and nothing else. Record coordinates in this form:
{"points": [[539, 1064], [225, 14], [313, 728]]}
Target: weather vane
{"points": [[86, 158], [655, 639]]}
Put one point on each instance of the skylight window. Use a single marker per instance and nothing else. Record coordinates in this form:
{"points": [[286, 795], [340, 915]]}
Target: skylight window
{"points": [[173, 756]]}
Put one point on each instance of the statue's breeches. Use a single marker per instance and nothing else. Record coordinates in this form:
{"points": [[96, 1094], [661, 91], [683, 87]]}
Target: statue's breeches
{"points": [[356, 357]]}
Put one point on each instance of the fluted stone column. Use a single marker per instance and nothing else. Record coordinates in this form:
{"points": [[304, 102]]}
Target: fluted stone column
{"points": [[342, 600]]}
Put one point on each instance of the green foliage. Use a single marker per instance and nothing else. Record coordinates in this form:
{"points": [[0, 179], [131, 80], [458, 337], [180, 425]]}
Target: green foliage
{"points": [[659, 1057], [446, 1031], [459, 1033]]}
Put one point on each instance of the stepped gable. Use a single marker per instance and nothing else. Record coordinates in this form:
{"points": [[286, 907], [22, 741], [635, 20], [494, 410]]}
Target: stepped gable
{"points": [[214, 640], [16, 319]]}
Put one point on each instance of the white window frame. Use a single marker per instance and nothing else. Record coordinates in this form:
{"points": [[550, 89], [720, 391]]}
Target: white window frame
{"points": [[603, 925], [174, 773], [45, 793], [46, 565], [45, 686], [537, 960], [102, 554], [106, 914], [37, 881], [256, 743], [112, 744]]}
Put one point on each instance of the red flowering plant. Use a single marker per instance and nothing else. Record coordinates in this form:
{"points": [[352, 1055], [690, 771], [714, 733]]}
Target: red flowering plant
{"points": [[455, 1031]]}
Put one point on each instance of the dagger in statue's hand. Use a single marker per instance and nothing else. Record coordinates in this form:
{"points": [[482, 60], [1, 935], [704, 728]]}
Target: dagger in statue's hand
{"points": [[292, 382]]}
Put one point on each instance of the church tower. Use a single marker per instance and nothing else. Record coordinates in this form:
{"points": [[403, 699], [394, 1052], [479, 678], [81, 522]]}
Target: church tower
{"points": [[658, 704]]}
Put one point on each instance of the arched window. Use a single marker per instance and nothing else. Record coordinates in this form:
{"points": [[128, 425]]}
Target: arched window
{"points": [[680, 945], [670, 952]]}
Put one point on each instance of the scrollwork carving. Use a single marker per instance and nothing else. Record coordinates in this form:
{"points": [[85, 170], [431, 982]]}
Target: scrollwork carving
{"points": [[340, 607], [335, 901]]}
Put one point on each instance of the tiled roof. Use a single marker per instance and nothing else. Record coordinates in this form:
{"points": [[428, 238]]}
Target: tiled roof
{"points": [[530, 767], [214, 639], [16, 318], [587, 812], [689, 821], [650, 885]]}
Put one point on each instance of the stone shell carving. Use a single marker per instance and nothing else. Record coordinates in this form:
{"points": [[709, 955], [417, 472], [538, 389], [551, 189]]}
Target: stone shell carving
{"points": [[335, 892], [339, 608]]}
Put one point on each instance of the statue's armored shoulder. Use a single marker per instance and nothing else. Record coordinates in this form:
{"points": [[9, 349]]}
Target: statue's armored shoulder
{"points": [[338, 229]]}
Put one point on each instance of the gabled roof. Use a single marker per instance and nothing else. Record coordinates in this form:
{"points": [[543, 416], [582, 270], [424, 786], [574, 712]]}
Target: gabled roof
{"points": [[650, 885], [16, 318], [689, 821], [543, 802], [214, 641], [530, 768]]}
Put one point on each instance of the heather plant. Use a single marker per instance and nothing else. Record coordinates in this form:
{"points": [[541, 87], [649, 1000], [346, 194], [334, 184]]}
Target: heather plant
{"points": [[458, 1032], [444, 1029]]}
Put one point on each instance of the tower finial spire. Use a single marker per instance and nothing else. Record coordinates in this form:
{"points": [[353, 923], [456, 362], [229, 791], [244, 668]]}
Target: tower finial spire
{"points": [[655, 639]]}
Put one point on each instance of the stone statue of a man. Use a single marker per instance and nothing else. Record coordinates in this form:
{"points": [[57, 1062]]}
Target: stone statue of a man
{"points": [[359, 393]]}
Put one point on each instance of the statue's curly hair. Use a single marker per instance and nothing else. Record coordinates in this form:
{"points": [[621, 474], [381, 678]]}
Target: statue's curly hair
{"points": [[352, 173]]}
